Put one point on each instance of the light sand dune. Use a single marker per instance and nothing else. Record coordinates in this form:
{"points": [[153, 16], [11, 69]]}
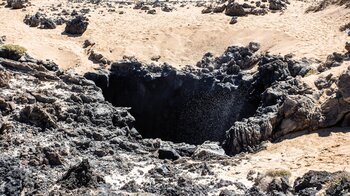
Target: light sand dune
{"points": [[180, 37], [324, 150]]}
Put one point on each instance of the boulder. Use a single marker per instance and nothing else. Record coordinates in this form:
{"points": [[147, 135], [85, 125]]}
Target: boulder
{"points": [[80, 175], [233, 20], [341, 185], [167, 8], [347, 45], [219, 8], [311, 182], [52, 156], [277, 4], [168, 153], [17, 4], [208, 151], [325, 82], [344, 87], [76, 26], [235, 9], [37, 116], [2, 39], [88, 43], [152, 11], [34, 20], [254, 46], [207, 10], [47, 23]]}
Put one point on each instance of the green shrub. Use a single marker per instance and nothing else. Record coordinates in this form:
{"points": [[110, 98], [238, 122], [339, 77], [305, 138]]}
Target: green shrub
{"points": [[14, 48], [13, 52], [278, 173], [336, 180], [310, 72]]}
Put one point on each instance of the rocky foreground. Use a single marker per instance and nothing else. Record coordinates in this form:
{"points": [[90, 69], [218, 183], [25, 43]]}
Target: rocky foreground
{"points": [[147, 129], [59, 135]]}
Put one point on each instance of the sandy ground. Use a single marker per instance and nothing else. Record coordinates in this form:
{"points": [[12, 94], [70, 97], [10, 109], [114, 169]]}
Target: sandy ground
{"points": [[324, 150], [180, 37]]}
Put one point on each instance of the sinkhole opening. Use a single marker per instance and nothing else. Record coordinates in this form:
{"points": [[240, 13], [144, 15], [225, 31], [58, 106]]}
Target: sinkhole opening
{"points": [[179, 107]]}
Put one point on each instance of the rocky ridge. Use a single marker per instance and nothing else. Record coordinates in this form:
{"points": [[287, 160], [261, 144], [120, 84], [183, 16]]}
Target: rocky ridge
{"points": [[60, 136], [57, 129]]}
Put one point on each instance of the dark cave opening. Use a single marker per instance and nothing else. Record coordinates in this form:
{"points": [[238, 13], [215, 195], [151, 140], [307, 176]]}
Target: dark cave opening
{"points": [[178, 107]]}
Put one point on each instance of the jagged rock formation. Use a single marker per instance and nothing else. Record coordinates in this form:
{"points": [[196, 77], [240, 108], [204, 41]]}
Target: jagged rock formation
{"points": [[321, 5], [221, 101], [17, 4], [39, 20], [52, 122], [76, 26]]}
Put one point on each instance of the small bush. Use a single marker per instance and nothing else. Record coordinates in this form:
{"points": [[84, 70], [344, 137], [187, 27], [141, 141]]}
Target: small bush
{"points": [[278, 173], [14, 48], [13, 52], [336, 180], [311, 72]]}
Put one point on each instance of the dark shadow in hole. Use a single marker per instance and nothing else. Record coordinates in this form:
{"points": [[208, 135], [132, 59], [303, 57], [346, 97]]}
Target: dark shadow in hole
{"points": [[179, 108]]}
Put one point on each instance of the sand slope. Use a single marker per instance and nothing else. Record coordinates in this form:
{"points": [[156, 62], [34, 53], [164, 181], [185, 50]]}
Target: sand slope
{"points": [[180, 37]]}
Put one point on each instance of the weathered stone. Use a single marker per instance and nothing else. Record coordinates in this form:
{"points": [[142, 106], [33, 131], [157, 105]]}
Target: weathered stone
{"points": [[235, 9], [76, 26], [80, 176]]}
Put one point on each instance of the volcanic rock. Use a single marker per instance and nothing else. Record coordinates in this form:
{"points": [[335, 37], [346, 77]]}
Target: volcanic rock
{"points": [[277, 4], [76, 26], [34, 20], [219, 9], [80, 175], [347, 46], [47, 23], [233, 20], [37, 116], [168, 154], [17, 4], [235, 9]]}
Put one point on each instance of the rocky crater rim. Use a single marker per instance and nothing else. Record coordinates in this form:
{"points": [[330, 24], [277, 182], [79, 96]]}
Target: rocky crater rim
{"points": [[241, 92], [190, 105]]}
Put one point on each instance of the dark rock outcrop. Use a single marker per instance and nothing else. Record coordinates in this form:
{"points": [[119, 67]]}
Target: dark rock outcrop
{"points": [[171, 104], [277, 4], [51, 120], [234, 9], [311, 182], [47, 23], [12, 176], [80, 176], [76, 26], [17, 4], [34, 20]]}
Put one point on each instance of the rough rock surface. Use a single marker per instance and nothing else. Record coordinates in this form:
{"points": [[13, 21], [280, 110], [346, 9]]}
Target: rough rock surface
{"points": [[52, 122], [39, 20], [235, 9], [17, 4], [76, 26], [222, 100], [59, 136]]}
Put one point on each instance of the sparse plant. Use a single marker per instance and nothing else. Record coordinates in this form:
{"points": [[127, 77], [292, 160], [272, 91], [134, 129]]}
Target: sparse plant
{"points": [[11, 51], [336, 179], [310, 72], [278, 173]]}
